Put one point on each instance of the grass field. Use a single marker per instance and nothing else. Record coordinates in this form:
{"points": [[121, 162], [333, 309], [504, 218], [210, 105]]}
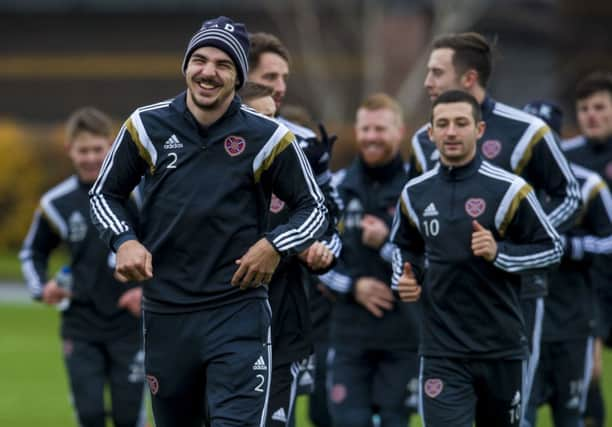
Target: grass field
{"points": [[10, 269], [33, 387]]}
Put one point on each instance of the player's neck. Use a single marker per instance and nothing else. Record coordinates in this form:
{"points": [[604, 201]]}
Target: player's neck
{"points": [[479, 93]]}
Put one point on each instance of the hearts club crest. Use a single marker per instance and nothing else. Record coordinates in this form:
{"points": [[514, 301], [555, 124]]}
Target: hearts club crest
{"points": [[475, 207], [234, 145], [491, 148]]}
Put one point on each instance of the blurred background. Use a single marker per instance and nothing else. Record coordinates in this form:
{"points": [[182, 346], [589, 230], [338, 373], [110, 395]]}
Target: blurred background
{"points": [[59, 55]]}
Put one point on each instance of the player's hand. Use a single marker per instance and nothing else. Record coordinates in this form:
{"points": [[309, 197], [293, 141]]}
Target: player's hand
{"points": [[131, 300], [134, 262], [256, 266], [53, 294], [317, 256], [483, 242], [597, 360], [374, 231], [374, 295], [408, 287]]}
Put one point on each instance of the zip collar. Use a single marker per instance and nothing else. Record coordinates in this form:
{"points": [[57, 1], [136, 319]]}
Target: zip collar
{"points": [[457, 173]]}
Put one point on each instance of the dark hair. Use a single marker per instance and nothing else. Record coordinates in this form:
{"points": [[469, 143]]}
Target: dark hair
{"points": [[252, 90], [88, 119], [596, 81], [471, 51], [263, 43], [298, 114], [454, 96]]}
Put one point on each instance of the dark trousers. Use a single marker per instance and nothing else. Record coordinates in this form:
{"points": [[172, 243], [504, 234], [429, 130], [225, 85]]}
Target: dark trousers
{"points": [[562, 381], [318, 409], [461, 392], [364, 382], [119, 363], [219, 359], [533, 314]]}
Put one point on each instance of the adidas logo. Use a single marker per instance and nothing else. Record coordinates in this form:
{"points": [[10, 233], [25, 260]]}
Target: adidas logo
{"points": [[172, 142], [430, 210], [306, 379], [260, 365], [516, 399], [280, 415], [573, 403]]}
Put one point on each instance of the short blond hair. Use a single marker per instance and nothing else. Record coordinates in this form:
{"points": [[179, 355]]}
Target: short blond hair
{"points": [[382, 101]]}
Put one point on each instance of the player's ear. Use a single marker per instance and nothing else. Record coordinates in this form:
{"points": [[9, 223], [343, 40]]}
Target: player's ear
{"points": [[469, 79], [480, 128]]}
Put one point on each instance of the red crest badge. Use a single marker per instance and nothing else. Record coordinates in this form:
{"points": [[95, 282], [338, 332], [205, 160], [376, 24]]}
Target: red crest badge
{"points": [[68, 348], [234, 145], [153, 384], [433, 387], [475, 207], [491, 148], [338, 393], [276, 204]]}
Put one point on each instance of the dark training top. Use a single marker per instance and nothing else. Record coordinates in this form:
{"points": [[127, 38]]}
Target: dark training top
{"points": [[591, 154], [63, 217], [595, 156], [569, 306], [206, 195], [522, 144], [471, 306], [288, 293], [373, 191]]}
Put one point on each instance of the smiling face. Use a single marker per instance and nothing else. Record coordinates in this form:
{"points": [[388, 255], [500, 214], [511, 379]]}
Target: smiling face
{"points": [[455, 132], [379, 134], [272, 71], [594, 115], [211, 79], [87, 152]]}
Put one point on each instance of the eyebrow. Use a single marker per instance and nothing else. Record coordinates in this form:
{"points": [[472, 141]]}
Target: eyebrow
{"points": [[221, 60]]}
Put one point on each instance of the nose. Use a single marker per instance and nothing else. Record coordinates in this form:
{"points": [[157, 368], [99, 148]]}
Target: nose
{"points": [[428, 81], [280, 86], [208, 69], [451, 129]]}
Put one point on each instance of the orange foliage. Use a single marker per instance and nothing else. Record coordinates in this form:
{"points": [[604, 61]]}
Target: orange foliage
{"points": [[32, 161]]}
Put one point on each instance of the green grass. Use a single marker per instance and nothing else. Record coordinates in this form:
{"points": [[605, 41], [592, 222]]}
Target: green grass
{"points": [[33, 385], [10, 268]]}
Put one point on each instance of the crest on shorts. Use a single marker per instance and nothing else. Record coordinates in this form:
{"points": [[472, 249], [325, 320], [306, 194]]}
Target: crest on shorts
{"points": [[234, 145], [491, 148], [433, 387], [276, 204], [153, 384], [68, 348], [338, 393], [475, 207]]}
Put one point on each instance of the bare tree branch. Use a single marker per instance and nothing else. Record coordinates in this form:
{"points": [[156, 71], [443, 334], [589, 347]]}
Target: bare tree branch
{"points": [[449, 17], [372, 49]]}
